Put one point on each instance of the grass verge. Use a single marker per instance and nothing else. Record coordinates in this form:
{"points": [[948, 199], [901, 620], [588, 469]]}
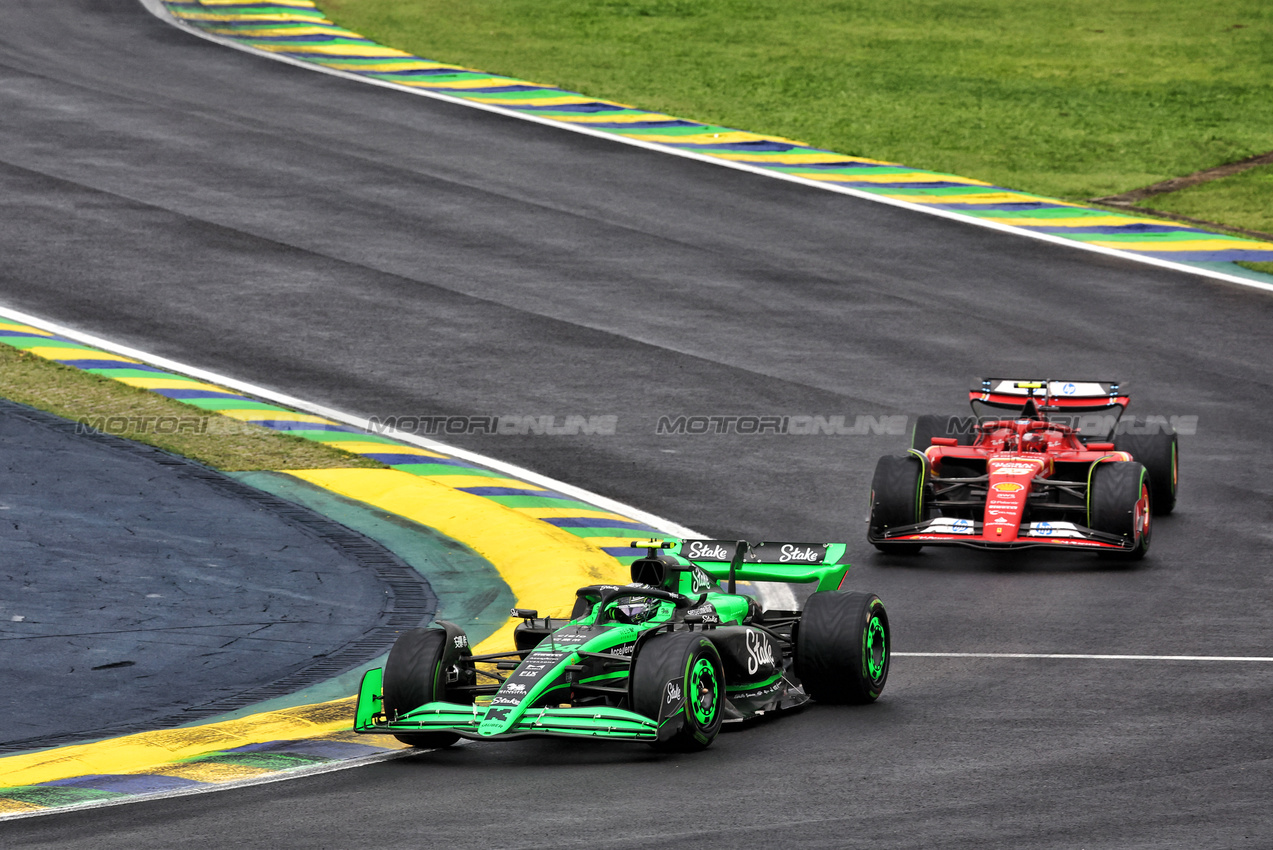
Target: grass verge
{"points": [[1244, 200], [209, 438], [1072, 100]]}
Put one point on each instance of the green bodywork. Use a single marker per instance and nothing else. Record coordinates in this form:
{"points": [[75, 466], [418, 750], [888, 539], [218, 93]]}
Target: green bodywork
{"points": [[829, 573], [593, 651]]}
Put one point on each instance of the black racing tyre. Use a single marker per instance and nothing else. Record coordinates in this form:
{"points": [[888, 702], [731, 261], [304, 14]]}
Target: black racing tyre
{"points": [[677, 678], [415, 673], [842, 647], [1118, 502], [1159, 454], [897, 498], [929, 426]]}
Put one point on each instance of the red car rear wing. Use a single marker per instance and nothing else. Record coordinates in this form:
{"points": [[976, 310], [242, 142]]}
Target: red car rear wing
{"points": [[1076, 403], [1071, 396]]}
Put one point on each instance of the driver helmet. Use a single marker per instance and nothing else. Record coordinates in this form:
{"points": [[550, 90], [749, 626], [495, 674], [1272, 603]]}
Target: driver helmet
{"points": [[638, 609], [1033, 442]]}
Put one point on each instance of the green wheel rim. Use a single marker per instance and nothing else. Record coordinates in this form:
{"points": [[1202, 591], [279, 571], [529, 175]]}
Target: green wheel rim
{"points": [[874, 648], [704, 688]]}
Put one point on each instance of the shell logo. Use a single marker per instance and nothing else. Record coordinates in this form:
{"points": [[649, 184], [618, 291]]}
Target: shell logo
{"points": [[1008, 487]]}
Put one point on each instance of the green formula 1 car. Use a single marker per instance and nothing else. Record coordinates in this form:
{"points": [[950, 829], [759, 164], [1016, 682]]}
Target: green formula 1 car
{"points": [[665, 660]]}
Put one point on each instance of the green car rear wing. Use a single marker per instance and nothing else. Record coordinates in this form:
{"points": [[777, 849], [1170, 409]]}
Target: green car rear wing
{"points": [[730, 560]]}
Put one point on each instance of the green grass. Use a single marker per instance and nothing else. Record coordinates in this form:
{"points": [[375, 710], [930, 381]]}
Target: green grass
{"points": [[1244, 200], [1072, 99], [209, 438]]}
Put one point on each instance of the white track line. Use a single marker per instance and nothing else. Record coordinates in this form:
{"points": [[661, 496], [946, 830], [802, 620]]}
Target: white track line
{"points": [[157, 8], [1084, 657]]}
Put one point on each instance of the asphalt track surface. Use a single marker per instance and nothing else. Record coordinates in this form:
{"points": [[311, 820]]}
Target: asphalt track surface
{"points": [[142, 590], [389, 255]]}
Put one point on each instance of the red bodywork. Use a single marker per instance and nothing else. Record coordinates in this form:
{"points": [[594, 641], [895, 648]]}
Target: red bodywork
{"points": [[1022, 483]]}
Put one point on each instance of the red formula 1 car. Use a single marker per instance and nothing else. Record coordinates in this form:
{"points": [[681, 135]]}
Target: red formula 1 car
{"points": [[1041, 463]]}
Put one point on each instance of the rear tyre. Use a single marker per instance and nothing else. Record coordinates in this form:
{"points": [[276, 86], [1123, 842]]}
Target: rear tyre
{"points": [[897, 499], [1119, 503], [929, 426], [677, 679], [1159, 454], [415, 674], [842, 647]]}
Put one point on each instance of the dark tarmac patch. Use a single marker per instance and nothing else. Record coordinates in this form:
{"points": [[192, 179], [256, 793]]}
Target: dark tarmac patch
{"points": [[140, 590]]}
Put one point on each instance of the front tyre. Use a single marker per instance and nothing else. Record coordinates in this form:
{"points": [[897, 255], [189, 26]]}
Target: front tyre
{"points": [[1119, 503], [897, 499], [677, 679], [415, 674], [842, 647]]}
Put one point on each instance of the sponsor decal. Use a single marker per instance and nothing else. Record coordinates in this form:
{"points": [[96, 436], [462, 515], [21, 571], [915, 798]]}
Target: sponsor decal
{"points": [[759, 651], [514, 688], [673, 692], [1053, 530], [708, 550], [950, 526], [1008, 487], [1015, 469], [795, 553], [626, 649], [707, 612], [461, 641], [505, 701], [537, 662], [497, 714], [763, 692], [787, 553], [702, 581], [530, 671], [569, 638]]}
